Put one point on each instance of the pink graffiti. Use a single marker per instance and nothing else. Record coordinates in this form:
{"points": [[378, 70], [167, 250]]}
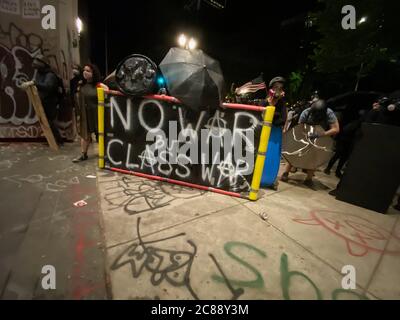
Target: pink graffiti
{"points": [[360, 235]]}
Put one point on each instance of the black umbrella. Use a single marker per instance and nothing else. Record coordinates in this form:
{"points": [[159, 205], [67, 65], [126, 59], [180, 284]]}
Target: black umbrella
{"points": [[194, 78]]}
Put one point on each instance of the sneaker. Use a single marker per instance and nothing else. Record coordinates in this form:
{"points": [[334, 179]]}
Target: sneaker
{"points": [[309, 183], [327, 171], [83, 157], [285, 177]]}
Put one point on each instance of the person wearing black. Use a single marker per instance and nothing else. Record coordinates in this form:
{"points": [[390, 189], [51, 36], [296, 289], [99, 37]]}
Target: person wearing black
{"points": [[275, 98], [317, 114], [86, 108], [385, 111], [344, 146], [48, 85]]}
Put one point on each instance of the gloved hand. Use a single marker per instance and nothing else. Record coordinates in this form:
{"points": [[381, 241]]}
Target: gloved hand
{"points": [[313, 135], [27, 84]]}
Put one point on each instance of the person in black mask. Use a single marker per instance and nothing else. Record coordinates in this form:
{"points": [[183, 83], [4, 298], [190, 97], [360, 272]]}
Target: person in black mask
{"points": [[317, 114], [48, 85]]}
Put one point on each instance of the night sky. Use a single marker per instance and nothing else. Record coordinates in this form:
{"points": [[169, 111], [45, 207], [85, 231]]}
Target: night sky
{"points": [[247, 37]]}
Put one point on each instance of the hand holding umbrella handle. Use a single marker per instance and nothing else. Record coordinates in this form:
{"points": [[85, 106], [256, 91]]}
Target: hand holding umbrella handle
{"points": [[315, 135]]}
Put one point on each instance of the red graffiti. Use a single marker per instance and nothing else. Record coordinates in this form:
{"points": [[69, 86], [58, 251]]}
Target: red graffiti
{"points": [[360, 235]]}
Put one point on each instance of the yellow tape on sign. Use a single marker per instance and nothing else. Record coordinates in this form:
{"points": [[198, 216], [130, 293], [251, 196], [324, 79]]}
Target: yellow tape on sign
{"points": [[100, 111], [262, 150]]}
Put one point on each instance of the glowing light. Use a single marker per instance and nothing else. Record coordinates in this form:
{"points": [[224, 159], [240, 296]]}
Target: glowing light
{"points": [[192, 44], [182, 40], [160, 81], [362, 20], [79, 25]]}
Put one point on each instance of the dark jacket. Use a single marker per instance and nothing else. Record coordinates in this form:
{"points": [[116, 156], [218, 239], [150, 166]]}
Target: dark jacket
{"points": [[280, 113], [86, 110], [47, 83]]}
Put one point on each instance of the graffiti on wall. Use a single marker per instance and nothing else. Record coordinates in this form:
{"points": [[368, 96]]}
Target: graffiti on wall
{"points": [[17, 50]]}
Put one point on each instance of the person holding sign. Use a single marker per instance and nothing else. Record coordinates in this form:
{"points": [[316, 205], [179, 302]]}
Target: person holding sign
{"points": [[317, 114], [49, 88], [86, 105], [275, 97]]}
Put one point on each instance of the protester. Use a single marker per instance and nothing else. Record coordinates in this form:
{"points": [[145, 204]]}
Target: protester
{"points": [[275, 98], [385, 111], [317, 114], [86, 103], [50, 91]]}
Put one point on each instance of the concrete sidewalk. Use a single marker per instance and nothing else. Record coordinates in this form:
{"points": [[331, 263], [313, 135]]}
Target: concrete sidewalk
{"points": [[39, 225], [162, 241], [168, 242]]}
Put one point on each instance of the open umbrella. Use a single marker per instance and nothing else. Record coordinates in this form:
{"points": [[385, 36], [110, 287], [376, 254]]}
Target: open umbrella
{"points": [[194, 78], [304, 152]]}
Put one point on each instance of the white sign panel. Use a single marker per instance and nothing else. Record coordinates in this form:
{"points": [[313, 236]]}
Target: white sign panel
{"points": [[10, 6], [31, 9]]}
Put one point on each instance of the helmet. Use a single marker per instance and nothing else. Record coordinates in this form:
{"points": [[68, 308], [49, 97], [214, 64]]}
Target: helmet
{"points": [[319, 104], [276, 79]]}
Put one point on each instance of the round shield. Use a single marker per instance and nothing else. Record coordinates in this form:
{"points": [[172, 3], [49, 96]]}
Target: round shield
{"points": [[304, 151], [136, 75]]}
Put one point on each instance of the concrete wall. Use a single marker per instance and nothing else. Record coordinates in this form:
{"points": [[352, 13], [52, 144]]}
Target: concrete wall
{"points": [[21, 38]]}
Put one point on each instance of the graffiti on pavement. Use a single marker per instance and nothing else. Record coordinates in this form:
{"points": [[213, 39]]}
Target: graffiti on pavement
{"points": [[360, 235], [140, 195], [172, 266]]}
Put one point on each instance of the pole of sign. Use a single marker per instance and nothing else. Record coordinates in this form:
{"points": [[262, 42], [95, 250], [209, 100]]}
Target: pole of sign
{"points": [[100, 110], [262, 151]]}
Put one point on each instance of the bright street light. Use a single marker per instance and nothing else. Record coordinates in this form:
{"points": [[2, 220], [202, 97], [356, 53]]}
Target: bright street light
{"points": [[182, 40], [362, 20], [188, 44], [192, 44], [79, 25]]}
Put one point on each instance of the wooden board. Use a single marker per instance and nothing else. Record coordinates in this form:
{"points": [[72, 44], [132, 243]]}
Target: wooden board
{"points": [[34, 98]]}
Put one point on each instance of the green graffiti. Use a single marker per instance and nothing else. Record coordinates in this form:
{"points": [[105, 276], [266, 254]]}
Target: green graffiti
{"points": [[336, 292], [286, 276], [258, 282]]}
